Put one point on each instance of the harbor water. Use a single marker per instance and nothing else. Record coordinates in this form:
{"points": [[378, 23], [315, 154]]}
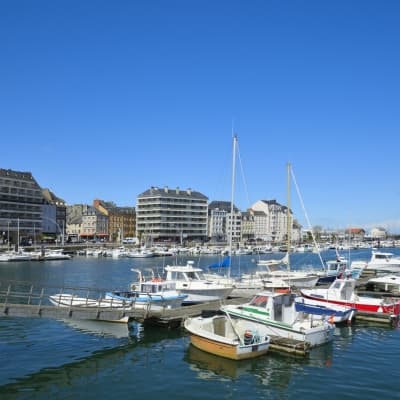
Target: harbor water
{"points": [[52, 359]]}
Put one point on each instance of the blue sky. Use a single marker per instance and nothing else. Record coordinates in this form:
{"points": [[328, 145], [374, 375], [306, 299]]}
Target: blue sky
{"points": [[103, 99]]}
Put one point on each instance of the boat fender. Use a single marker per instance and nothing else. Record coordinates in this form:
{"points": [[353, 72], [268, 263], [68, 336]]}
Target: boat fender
{"points": [[248, 337]]}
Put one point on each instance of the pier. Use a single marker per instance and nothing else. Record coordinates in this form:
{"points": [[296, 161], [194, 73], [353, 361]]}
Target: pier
{"points": [[24, 299]]}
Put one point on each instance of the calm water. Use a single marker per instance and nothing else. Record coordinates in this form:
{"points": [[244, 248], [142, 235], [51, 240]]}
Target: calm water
{"points": [[50, 359]]}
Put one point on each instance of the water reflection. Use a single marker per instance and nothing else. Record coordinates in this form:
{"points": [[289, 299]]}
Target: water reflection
{"points": [[142, 345], [107, 329], [274, 369]]}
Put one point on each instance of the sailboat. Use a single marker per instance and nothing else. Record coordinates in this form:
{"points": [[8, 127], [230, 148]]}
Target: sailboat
{"points": [[244, 286], [278, 274]]}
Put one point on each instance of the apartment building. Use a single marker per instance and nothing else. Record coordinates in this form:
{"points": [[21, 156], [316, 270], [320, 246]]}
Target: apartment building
{"points": [[164, 214], [271, 221], [94, 224], [219, 221], [21, 205]]}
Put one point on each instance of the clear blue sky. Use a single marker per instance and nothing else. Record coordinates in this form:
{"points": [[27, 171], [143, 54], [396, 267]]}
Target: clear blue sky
{"points": [[103, 99]]}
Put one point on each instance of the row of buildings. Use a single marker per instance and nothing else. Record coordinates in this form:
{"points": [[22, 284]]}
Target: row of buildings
{"points": [[29, 213]]}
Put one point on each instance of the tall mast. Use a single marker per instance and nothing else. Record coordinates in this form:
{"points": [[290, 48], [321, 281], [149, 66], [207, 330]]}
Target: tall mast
{"points": [[232, 197], [289, 225]]}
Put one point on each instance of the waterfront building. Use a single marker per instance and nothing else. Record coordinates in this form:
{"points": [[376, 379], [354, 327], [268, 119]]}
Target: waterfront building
{"points": [[378, 233], [219, 220], [164, 214], [74, 226], [54, 216], [273, 225], [94, 224], [121, 220], [21, 204], [355, 234], [248, 226]]}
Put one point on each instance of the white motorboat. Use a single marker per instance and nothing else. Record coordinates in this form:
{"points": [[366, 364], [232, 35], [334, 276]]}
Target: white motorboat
{"points": [[190, 280], [141, 253], [387, 283], [278, 274], [154, 293], [278, 312], [383, 261], [56, 254], [19, 255], [342, 291]]}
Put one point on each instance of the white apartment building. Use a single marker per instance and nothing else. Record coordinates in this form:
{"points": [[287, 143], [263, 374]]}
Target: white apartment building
{"points": [[164, 214], [270, 221], [219, 222]]}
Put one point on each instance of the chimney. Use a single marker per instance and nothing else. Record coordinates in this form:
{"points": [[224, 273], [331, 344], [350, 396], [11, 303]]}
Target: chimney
{"points": [[189, 191], [177, 190], [166, 189]]}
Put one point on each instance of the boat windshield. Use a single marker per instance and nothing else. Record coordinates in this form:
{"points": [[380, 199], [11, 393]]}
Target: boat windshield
{"points": [[259, 301], [278, 268]]}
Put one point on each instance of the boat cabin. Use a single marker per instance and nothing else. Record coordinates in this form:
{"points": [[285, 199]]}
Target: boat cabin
{"points": [[378, 256], [342, 289], [335, 267], [184, 273], [157, 286], [279, 306]]}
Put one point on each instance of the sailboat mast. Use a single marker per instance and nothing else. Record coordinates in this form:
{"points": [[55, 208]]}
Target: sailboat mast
{"points": [[288, 212], [232, 197]]}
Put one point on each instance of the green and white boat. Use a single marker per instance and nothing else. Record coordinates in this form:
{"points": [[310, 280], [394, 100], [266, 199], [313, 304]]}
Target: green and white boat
{"points": [[278, 312]]}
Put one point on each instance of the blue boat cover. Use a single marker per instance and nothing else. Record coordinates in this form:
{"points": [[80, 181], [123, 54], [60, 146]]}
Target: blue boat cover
{"points": [[222, 264]]}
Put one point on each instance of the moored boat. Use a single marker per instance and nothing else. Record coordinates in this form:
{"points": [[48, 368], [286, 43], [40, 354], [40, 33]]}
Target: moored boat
{"points": [[190, 281], [278, 312], [153, 293], [342, 291], [335, 312], [236, 339]]}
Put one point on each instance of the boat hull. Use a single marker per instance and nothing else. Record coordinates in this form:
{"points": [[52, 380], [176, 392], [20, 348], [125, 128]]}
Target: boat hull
{"points": [[314, 336], [227, 338], [233, 352], [364, 306]]}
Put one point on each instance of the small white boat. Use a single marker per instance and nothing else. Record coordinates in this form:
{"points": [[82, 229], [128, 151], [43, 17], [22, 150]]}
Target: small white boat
{"points": [[236, 339], [278, 312], [55, 254], [276, 273], [154, 293], [190, 280], [142, 253], [383, 261], [342, 292], [70, 300], [19, 255], [387, 283]]}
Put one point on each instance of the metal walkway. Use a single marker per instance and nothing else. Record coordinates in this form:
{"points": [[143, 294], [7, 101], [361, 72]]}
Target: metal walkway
{"points": [[25, 299]]}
